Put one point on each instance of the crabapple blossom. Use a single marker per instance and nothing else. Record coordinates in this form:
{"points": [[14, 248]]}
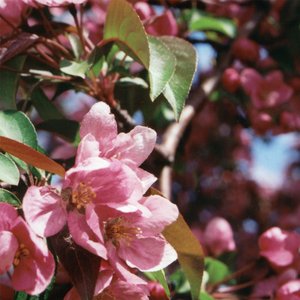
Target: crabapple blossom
{"points": [[265, 92], [26, 263], [126, 235], [280, 248], [99, 127], [218, 236], [96, 180]]}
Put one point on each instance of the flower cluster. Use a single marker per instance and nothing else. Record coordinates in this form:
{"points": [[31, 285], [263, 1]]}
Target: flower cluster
{"points": [[103, 204]]}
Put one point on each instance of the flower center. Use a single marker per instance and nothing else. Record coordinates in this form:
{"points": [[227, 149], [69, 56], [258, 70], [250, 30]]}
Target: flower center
{"points": [[117, 229], [21, 253], [82, 195]]}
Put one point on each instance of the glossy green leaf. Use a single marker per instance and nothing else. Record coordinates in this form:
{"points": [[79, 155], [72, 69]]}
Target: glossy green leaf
{"points": [[9, 82], [160, 277], [17, 126], [8, 197], [9, 172], [180, 282], [162, 66], [44, 107], [216, 270], [124, 26], [74, 68], [204, 23], [178, 87]]}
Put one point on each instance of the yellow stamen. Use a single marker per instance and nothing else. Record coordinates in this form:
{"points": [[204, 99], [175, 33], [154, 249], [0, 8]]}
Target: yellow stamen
{"points": [[118, 229], [20, 253], [82, 195]]}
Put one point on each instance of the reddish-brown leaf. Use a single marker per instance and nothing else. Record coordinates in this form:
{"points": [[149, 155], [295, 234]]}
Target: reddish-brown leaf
{"points": [[30, 156]]}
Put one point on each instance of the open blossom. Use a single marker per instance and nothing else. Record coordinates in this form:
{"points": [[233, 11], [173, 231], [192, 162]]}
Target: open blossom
{"points": [[99, 133], [95, 181], [265, 92], [26, 263], [280, 248], [126, 236]]}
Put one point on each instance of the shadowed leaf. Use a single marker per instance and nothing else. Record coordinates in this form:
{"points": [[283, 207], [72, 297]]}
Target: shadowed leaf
{"points": [[81, 265]]}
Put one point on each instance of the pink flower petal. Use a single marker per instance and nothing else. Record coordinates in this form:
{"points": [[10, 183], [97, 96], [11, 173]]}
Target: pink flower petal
{"points": [[34, 272], [7, 216], [101, 124], [146, 178], [134, 147], [250, 79], [9, 246], [44, 210], [84, 236], [87, 148], [147, 254], [163, 213]]}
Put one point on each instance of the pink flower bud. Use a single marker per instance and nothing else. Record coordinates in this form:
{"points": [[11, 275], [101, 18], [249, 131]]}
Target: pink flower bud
{"points": [[218, 236]]}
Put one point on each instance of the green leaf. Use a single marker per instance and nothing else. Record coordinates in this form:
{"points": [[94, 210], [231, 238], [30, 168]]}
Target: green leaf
{"points": [[162, 66], [9, 82], [160, 277], [17, 126], [180, 282], [224, 26], [8, 197], [9, 172], [75, 44], [205, 296], [44, 107], [216, 270], [74, 68], [178, 87], [124, 26]]}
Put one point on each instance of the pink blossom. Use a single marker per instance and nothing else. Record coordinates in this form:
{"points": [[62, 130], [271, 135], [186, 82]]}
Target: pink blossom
{"points": [[26, 263], [127, 237], [265, 92], [280, 248], [95, 181], [99, 127], [218, 236], [10, 15], [289, 291], [117, 290], [54, 2]]}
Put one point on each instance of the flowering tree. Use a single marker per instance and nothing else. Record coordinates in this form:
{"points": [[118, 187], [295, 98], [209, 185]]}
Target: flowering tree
{"points": [[98, 100]]}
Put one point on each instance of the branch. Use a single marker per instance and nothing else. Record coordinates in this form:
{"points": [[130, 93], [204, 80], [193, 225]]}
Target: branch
{"points": [[196, 103]]}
